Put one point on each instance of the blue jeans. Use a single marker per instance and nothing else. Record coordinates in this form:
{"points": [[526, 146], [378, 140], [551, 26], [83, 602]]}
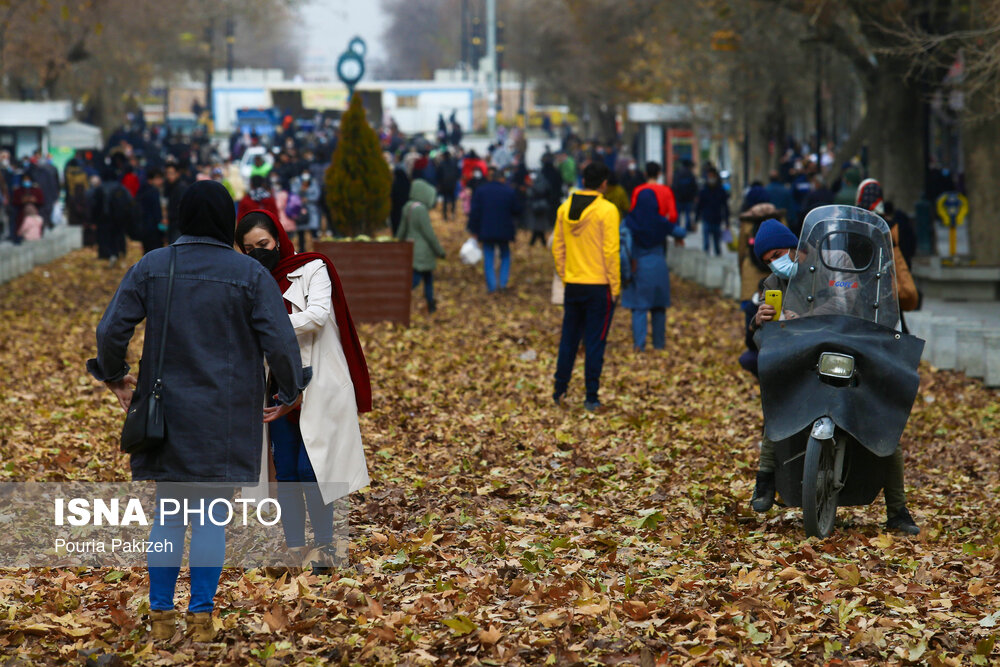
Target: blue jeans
{"points": [[296, 478], [685, 212], [587, 312], [659, 328], [489, 264], [428, 278], [208, 546], [711, 233]]}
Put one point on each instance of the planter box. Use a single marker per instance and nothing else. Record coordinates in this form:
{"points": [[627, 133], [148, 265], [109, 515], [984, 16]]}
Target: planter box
{"points": [[377, 277]]}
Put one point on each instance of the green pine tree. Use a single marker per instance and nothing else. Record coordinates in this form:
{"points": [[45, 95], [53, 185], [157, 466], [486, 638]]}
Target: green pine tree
{"points": [[358, 180]]}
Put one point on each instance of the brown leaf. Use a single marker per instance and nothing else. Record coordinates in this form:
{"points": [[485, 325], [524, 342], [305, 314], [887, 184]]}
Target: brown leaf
{"points": [[491, 636], [276, 618]]}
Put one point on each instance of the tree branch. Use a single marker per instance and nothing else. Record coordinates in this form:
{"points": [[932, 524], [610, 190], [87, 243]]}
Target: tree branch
{"points": [[831, 31]]}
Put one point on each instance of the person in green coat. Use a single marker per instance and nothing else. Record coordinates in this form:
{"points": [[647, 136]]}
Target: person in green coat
{"points": [[415, 225], [567, 169]]}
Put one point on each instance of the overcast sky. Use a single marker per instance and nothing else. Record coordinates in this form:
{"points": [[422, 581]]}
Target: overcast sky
{"points": [[331, 24]]}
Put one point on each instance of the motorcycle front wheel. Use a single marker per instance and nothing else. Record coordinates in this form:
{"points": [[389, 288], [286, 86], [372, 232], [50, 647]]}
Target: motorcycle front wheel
{"points": [[819, 488]]}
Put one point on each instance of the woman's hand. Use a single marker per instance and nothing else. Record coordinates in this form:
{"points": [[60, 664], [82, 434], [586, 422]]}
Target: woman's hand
{"points": [[274, 412], [123, 390]]}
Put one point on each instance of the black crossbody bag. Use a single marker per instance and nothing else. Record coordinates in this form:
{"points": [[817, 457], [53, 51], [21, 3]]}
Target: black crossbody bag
{"points": [[145, 428]]}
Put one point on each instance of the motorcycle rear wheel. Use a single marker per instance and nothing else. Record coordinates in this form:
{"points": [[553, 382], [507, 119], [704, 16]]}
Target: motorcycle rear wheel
{"points": [[819, 488]]}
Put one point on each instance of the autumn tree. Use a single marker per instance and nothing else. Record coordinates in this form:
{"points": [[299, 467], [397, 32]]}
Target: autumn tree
{"points": [[100, 53], [421, 36], [358, 180]]}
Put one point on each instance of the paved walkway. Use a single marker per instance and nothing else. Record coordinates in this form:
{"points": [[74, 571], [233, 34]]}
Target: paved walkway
{"points": [[987, 312]]}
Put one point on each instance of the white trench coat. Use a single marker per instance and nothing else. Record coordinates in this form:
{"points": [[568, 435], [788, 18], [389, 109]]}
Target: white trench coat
{"points": [[329, 418]]}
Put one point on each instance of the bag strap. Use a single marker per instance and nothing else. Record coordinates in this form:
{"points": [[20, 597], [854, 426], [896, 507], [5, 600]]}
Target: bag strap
{"points": [[158, 382]]}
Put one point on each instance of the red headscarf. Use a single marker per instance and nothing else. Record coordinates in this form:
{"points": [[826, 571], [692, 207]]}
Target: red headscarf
{"points": [[290, 260]]}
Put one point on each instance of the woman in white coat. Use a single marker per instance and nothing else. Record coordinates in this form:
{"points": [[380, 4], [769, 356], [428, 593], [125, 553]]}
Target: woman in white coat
{"points": [[316, 450]]}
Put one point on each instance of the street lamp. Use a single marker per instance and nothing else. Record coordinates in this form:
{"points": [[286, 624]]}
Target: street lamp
{"points": [[351, 65]]}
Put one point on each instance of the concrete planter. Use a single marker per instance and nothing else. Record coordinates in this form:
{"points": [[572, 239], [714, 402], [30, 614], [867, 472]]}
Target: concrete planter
{"points": [[944, 353], [970, 342]]}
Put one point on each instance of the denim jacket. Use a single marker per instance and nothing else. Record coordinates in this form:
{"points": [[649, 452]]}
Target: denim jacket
{"points": [[226, 316]]}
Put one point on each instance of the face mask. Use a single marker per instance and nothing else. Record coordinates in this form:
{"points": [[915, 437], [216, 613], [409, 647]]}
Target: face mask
{"points": [[26, 183], [784, 267], [269, 258]]}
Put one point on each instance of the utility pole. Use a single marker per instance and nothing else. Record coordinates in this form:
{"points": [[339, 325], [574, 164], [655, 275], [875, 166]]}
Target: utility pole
{"points": [[819, 103], [466, 45], [230, 40], [491, 78], [210, 41]]}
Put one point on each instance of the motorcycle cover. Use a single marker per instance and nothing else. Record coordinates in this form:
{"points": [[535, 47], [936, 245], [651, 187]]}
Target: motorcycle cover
{"points": [[793, 395]]}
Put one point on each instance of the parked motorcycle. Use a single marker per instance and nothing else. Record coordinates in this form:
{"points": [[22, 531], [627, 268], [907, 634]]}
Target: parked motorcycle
{"points": [[838, 377]]}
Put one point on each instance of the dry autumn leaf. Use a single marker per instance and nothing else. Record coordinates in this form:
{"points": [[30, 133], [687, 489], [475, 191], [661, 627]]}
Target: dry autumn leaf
{"points": [[502, 529]]}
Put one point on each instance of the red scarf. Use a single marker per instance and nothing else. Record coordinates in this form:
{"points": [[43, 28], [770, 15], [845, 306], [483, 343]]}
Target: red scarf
{"points": [[290, 260]]}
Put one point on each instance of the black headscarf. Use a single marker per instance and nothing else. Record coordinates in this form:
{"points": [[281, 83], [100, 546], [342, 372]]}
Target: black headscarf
{"points": [[207, 210]]}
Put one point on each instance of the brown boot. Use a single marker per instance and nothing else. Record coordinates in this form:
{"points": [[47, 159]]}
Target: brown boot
{"points": [[200, 626], [164, 623]]}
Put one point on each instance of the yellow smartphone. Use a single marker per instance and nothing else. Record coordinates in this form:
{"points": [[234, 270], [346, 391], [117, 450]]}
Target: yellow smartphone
{"points": [[772, 297]]}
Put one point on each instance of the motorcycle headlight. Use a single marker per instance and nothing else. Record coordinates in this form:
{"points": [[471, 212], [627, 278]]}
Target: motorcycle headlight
{"points": [[836, 365]]}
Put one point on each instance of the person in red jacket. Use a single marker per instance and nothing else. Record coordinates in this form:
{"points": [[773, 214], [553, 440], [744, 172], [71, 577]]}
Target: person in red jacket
{"points": [[664, 195], [26, 193], [470, 165], [259, 196]]}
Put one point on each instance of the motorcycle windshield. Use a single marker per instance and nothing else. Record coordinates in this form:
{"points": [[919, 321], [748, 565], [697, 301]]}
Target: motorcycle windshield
{"points": [[844, 267]]}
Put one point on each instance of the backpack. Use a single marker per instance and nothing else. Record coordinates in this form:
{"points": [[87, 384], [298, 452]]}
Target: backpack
{"points": [[122, 210]]}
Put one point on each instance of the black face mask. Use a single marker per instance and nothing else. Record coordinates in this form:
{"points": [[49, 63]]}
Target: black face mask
{"points": [[269, 258]]}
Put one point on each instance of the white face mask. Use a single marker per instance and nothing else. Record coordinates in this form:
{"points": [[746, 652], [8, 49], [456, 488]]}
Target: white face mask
{"points": [[784, 267]]}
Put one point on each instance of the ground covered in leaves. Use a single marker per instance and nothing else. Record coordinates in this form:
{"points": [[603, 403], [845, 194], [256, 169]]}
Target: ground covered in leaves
{"points": [[501, 529]]}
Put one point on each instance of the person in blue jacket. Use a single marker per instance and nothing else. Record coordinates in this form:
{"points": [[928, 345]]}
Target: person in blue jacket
{"points": [[645, 275], [491, 221], [226, 316], [713, 211]]}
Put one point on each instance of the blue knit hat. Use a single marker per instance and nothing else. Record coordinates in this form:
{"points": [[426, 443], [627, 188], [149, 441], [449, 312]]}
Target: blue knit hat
{"points": [[772, 234]]}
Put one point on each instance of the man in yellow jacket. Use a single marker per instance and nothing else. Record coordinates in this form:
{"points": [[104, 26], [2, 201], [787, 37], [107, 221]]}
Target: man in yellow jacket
{"points": [[585, 248]]}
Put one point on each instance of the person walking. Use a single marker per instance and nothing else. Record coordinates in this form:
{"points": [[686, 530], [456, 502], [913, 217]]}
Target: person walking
{"points": [[307, 220], [780, 195], [316, 447], [151, 209], [685, 189], [491, 221], [644, 269], [415, 226], [25, 194], [259, 196], [447, 185], [567, 169], [664, 195], [174, 190], [213, 387], [399, 194], [585, 247], [818, 195], [713, 211]]}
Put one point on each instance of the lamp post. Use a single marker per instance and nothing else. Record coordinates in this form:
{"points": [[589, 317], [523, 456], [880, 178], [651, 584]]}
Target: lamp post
{"points": [[351, 65], [491, 78], [230, 41]]}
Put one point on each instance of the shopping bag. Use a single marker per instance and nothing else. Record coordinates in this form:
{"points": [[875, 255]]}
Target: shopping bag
{"points": [[470, 253]]}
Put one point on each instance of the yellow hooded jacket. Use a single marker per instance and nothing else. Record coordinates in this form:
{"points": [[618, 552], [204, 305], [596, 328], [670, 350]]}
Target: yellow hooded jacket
{"points": [[586, 241]]}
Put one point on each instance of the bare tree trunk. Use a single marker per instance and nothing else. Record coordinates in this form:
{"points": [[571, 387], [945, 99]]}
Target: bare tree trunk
{"points": [[849, 149], [980, 139], [895, 138]]}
